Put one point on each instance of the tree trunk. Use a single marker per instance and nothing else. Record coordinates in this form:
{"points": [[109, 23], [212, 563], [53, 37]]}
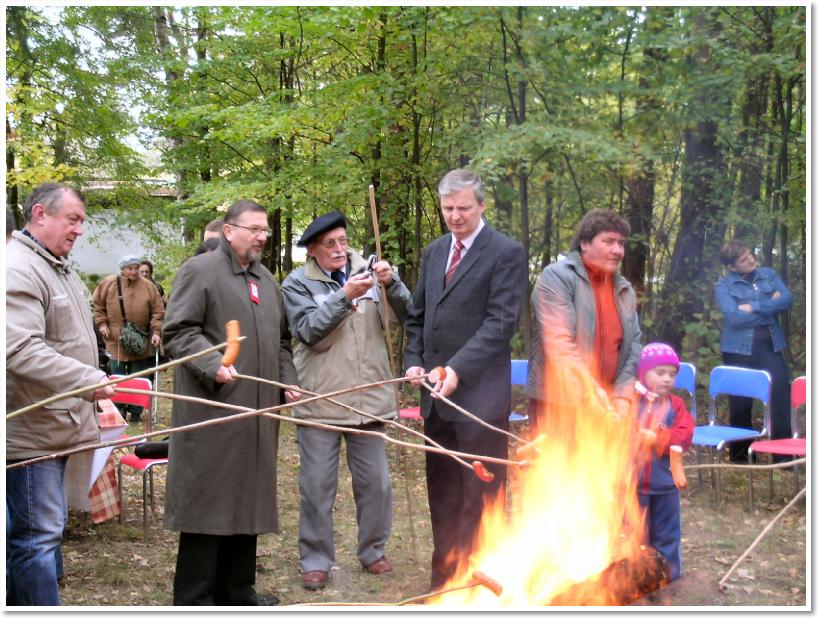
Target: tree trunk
{"points": [[688, 285]]}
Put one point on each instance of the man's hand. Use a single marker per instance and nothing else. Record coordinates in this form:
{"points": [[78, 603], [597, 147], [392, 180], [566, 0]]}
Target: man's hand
{"points": [[776, 295], [357, 285], [103, 393], [292, 396], [746, 308], [447, 385], [155, 340], [383, 272], [416, 374], [104, 331], [225, 375]]}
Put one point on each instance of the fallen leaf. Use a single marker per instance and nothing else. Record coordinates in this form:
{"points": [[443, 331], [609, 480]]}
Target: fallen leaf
{"points": [[794, 590], [748, 589], [722, 560]]}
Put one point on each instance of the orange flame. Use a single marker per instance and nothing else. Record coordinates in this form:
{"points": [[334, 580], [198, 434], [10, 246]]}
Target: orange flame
{"points": [[579, 510]]}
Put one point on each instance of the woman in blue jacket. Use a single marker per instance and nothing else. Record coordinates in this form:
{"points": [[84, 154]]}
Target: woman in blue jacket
{"points": [[750, 299]]}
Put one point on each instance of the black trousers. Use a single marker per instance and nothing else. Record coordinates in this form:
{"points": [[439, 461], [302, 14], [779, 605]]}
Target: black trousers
{"points": [[215, 570], [762, 357], [455, 494]]}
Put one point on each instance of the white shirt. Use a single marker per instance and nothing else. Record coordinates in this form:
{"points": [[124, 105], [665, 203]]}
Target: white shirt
{"points": [[466, 244]]}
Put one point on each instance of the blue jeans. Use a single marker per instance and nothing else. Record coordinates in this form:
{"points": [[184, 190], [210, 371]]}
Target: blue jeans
{"points": [[36, 505]]}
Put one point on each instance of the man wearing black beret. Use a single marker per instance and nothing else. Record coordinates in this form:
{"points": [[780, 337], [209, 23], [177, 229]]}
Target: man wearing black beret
{"points": [[334, 309]]}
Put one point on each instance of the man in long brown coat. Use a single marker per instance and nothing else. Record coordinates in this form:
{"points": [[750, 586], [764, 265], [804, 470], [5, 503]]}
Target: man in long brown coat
{"points": [[222, 480]]}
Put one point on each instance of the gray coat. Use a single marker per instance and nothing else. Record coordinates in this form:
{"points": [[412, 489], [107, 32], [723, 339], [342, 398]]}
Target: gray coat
{"points": [[468, 324], [337, 346], [565, 313], [222, 480], [50, 349]]}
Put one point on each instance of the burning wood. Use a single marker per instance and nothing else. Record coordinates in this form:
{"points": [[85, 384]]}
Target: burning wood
{"points": [[621, 583]]}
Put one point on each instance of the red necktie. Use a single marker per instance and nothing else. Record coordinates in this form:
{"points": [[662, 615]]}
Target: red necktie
{"points": [[455, 261]]}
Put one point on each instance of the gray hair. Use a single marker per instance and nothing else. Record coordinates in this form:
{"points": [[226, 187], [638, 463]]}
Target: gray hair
{"points": [[460, 179], [50, 196]]}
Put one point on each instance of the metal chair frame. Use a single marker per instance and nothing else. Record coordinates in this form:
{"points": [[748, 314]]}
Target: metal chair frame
{"points": [[781, 446], [725, 380], [144, 466]]}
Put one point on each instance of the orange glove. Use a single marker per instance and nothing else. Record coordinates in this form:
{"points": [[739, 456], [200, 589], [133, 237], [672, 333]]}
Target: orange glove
{"points": [[677, 468]]}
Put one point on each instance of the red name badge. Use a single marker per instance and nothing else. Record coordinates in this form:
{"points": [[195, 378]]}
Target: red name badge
{"points": [[253, 292]]}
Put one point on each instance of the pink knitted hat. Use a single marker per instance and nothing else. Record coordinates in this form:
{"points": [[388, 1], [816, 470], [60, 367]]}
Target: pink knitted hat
{"points": [[653, 355]]}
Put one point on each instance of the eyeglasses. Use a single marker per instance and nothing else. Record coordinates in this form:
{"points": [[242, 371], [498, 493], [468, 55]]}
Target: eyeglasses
{"points": [[255, 231], [332, 243]]}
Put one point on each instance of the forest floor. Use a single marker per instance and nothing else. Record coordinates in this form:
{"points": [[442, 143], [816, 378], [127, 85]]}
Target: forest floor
{"points": [[108, 565]]}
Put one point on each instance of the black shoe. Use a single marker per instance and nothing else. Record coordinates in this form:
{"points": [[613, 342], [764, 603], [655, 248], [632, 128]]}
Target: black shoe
{"points": [[135, 418], [265, 600]]}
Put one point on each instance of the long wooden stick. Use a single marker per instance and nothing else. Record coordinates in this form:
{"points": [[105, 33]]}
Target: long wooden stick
{"points": [[758, 539], [268, 412], [362, 413], [751, 467], [473, 417], [100, 385], [375, 225]]}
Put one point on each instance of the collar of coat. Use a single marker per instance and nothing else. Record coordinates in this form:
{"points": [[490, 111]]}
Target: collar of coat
{"points": [[315, 273], [255, 267], [575, 261], [60, 264]]}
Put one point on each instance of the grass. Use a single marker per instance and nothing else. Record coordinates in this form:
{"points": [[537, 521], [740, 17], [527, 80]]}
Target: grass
{"points": [[108, 564]]}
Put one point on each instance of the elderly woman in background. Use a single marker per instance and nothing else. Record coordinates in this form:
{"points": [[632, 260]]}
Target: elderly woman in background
{"points": [[143, 307], [750, 299]]}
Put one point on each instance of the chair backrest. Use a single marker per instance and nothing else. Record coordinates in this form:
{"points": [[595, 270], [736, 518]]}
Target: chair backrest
{"points": [[741, 382], [519, 372], [798, 398], [686, 381], [132, 398], [798, 392]]}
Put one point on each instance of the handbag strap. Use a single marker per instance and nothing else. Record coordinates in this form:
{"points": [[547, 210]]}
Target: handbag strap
{"points": [[120, 296]]}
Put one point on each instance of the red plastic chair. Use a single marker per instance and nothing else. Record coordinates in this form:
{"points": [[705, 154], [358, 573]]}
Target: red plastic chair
{"points": [[794, 446], [144, 466]]}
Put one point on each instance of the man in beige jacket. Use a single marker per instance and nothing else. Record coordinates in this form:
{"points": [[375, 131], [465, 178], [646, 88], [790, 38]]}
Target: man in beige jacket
{"points": [[50, 349]]}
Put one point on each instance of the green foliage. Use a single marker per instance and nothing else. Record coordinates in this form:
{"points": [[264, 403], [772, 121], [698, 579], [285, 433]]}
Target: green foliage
{"points": [[302, 107]]}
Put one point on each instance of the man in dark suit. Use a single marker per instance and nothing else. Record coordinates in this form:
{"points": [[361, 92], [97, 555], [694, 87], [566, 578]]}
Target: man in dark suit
{"points": [[466, 309]]}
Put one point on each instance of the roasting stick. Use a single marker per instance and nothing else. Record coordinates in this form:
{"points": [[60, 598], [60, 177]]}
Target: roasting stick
{"points": [[362, 413], [478, 579], [150, 370], [267, 412], [473, 417], [758, 539], [375, 225], [752, 467]]}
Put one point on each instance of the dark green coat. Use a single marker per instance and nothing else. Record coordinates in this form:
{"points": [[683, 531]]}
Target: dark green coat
{"points": [[222, 480]]}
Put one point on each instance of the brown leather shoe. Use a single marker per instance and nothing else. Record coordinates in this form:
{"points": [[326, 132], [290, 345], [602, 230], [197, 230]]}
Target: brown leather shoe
{"points": [[314, 580], [381, 566]]}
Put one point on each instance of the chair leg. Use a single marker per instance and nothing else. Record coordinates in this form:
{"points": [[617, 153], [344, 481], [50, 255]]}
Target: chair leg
{"points": [[770, 482], [795, 477], [145, 509], [120, 490], [699, 461], [750, 482], [717, 460], [151, 489]]}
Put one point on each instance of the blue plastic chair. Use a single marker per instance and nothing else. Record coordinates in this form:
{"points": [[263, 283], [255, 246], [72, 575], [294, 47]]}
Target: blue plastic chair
{"points": [[519, 377], [686, 381], [732, 381]]}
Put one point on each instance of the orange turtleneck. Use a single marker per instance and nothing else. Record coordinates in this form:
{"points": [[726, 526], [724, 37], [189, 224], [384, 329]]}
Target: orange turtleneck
{"points": [[608, 336]]}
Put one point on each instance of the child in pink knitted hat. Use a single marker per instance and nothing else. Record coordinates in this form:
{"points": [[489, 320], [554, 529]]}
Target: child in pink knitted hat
{"points": [[667, 429]]}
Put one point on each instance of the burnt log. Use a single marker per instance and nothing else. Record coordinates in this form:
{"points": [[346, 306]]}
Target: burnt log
{"points": [[621, 583]]}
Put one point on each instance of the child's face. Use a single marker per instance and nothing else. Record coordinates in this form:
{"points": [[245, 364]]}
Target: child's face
{"points": [[660, 379]]}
